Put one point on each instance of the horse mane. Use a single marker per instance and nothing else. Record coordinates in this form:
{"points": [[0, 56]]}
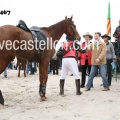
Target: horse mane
{"points": [[57, 26]]}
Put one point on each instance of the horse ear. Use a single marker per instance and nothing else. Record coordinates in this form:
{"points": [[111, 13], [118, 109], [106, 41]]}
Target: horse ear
{"points": [[65, 17], [71, 17]]}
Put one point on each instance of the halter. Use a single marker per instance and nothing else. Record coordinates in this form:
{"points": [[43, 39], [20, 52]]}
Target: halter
{"points": [[72, 29]]}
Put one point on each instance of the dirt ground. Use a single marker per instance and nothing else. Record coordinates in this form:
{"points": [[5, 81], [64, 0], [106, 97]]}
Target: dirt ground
{"points": [[23, 99]]}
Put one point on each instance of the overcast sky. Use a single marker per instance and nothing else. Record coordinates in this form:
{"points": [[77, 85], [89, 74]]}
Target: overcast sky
{"points": [[88, 15]]}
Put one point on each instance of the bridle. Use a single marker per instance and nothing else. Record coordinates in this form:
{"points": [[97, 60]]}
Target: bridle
{"points": [[72, 26]]}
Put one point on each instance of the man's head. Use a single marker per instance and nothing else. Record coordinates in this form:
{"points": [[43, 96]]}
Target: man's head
{"points": [[88, 37], [97, 36], [106, 37]]}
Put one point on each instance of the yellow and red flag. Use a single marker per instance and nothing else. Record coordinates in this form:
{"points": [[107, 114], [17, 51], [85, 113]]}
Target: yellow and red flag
{"points": [[109, 21]]}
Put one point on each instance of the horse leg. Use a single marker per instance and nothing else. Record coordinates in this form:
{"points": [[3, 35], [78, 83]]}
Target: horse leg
{"points": [[24, 68], [43, 76], [3, 65], [19, 66]]}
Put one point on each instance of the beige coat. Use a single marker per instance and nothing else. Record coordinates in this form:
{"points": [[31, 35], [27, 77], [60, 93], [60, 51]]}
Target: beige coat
{"points": [[98, 52]]}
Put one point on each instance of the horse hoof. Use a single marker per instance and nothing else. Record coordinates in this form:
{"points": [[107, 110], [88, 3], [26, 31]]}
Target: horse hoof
{"points": [[5, 104], [43, 98]]}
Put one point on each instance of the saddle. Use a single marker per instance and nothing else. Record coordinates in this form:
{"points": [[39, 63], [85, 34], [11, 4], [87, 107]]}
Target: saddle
{"points": [[23, 26], [38, 37]]}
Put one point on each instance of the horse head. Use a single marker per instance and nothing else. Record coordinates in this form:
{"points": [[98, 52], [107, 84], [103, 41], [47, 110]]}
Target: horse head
{"points": [[71, 29]]}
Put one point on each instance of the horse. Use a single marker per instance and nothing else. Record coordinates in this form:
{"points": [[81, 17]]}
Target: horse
{"points": [[13, 33], [21, 63]]}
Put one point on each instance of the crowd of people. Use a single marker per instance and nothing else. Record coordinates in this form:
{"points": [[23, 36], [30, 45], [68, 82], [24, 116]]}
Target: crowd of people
{"points": [[93, 56]]}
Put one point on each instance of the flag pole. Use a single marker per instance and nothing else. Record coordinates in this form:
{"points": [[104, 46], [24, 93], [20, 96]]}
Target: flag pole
{"points": [[109, 21]]}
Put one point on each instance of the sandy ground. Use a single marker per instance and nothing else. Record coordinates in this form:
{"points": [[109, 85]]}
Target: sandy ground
{"points": [[24, 102]]}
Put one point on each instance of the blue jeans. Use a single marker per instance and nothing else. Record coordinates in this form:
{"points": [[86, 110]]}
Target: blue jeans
{"points": [[103, 71], [48, 68]]}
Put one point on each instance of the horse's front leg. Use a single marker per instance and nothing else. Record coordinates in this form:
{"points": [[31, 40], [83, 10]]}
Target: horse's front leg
{"points": [[43, 76]]}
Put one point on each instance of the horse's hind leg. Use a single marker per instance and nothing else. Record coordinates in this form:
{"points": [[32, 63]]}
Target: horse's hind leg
{"points": [[19, 66], [3, 65], [1, 98], [43, 76], [24, 68]]}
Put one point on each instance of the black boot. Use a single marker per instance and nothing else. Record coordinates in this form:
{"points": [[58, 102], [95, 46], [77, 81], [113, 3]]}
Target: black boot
{"points": [[1, 98], [62, 81], [78, 92]]}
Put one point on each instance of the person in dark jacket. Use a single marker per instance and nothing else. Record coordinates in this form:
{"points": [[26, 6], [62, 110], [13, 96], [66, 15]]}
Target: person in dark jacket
{"points": [[117, 51], [117, 30], [55, 65]]}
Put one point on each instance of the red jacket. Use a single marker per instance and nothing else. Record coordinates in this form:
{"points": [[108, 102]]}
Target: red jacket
{"points": [[71, 52], [82, 56]]}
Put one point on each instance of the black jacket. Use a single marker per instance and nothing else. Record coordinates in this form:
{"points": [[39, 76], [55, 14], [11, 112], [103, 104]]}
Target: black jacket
{"points": [[117, 30]]}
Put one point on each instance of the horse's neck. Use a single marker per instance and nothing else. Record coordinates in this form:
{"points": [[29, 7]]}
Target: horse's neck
{"points": [[57, 30]]}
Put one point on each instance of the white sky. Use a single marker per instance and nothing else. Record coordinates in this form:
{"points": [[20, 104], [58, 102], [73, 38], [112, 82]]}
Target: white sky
{"points": [[88, 15]]}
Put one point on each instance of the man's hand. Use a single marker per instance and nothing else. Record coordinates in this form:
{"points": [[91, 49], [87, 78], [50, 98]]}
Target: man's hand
{"points": [[83, 50], [78, 63], [97, 60]]}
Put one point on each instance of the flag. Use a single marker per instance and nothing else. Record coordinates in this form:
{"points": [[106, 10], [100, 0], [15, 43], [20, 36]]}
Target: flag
{"points": [[109, 21]]}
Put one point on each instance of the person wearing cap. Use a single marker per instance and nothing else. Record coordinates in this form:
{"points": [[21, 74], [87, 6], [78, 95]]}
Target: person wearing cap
{"points": [[117, 30], [69, 63], [110, 55], [85, 58], [98, 62]]}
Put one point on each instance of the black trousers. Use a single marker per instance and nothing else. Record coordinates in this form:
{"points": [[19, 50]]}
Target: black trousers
{"points": [[55, 66], [84, 69], [109, 70]]}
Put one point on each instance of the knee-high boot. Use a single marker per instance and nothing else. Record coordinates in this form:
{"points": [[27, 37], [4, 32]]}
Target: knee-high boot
{"points": [[62, 81], [78, 92]]}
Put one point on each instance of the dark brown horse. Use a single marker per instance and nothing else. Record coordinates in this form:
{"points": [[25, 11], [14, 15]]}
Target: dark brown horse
{"points": [[12, 33], [21, 63]]}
